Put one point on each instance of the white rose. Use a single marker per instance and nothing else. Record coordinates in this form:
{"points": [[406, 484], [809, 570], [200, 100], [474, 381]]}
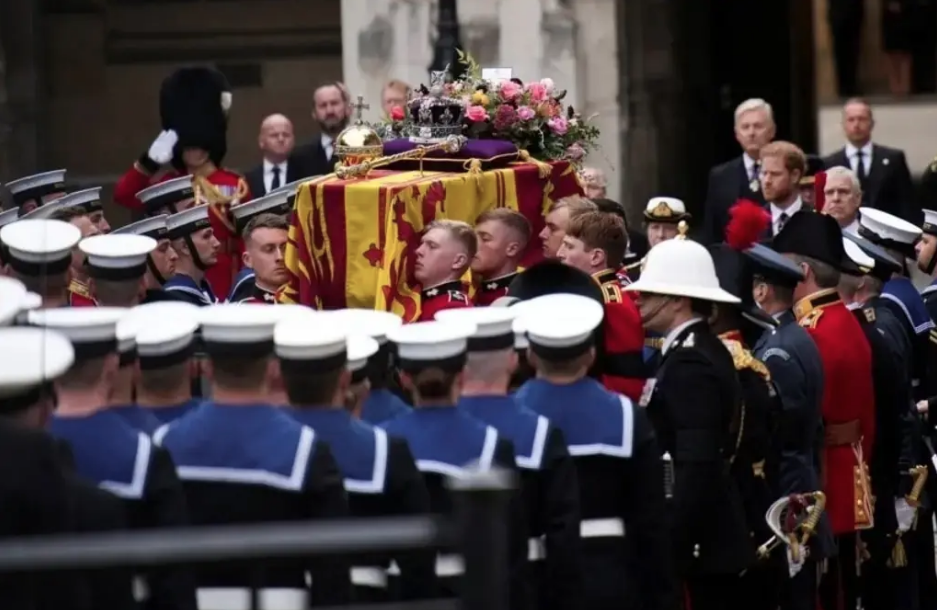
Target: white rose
{"points": [[548, 84]]}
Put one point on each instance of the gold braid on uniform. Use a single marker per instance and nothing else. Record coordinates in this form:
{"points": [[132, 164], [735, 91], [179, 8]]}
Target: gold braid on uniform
{"points": [[742, 359], [218, 201]]}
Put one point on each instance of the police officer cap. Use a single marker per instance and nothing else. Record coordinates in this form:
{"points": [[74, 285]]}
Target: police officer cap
{"points": [[117, 257], [154, 226], [40, 357], [39, 247], [29, 188], [560, 327], [493, 326], [370, 322], [12, 295], [554, 277], [883, 264], [888, 231], [817, 236], [431, 345], [238, 330], [774, 268], [91, 330], [929, 226], [166, 194]]}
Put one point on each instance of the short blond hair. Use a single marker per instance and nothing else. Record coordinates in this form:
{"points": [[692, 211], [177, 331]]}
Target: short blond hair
{"points": [[462, 232], [577, 204]]}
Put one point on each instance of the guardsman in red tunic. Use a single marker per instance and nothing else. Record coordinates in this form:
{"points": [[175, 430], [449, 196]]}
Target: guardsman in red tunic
{"points": [[194, 105], [502, 240], [814, 241], [445, 253], [263, 225], [594, 243], [39, 254]]}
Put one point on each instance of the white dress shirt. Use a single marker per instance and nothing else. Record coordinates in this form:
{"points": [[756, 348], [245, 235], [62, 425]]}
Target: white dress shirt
{"points": [[852, 227], [268, 174], [854, 158], [749, 164], [776, 214], [328, 146]]}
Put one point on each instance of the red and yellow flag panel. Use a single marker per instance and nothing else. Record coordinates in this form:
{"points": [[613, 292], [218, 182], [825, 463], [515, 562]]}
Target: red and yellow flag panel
{"points": [[352, 242]]}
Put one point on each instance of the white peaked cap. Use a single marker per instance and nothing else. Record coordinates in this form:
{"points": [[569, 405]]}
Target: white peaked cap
{"points": [[27, 183], [40, 241], [889, 226], [858, 255], [80, 324], [559, 320], [114, 251], [12, 295], [238, 323], [360, 348], [41, 355]]}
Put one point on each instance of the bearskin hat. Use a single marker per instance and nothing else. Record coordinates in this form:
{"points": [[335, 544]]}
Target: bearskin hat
{"points": [[554, 277], [194, 102]]}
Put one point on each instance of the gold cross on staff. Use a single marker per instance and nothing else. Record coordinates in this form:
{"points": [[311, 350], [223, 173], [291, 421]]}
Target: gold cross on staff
{"points": [[360, 106]]}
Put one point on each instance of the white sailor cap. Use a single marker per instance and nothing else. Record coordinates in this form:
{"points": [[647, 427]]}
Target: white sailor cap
{"points": [[29, 188], [930, 222], [300, 342], [12, 295], [238, 329], [154, 226], [187, 222], [87, 200], [40, 357], [117, 257], [560, 326], [168, 343], [166, 194], [493, 326], [39, 247], [370, 322], [91, 330], [887, 230], [360, 349], [291, 188], [431, 345], [665, 209], [30, 301], [857, 255], [8, 216], [276, 202]]}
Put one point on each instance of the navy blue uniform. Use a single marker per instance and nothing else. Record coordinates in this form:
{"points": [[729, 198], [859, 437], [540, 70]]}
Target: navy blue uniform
{"points": [[900, 295], [138, 418], [243, 286], [255, 464], [551, 496], [446, 442], [381, 406], [626, 554], [173, 412], [381, 480], [125, 462], [183, 288]]}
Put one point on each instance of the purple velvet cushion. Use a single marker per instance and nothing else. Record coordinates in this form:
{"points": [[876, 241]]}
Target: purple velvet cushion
{"points": [[493, 154]]}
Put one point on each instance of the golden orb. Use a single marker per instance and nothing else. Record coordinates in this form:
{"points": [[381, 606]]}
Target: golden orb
{"points": [[358, 142]]}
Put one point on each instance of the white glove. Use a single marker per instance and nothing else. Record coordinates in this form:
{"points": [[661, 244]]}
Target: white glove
{"points": [[793, 567], [922, 406], [905, 514], [161, 148]]}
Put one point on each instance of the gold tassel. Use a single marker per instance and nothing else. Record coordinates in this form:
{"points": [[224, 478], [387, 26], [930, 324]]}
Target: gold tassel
{"points": [[899, 557], [473, 166], [543, 169]]}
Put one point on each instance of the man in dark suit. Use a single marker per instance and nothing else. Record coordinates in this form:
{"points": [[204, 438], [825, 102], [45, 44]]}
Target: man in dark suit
{"points": [[882, 171], [279, 166], [738, 178], [331, 111], [783, 164]]}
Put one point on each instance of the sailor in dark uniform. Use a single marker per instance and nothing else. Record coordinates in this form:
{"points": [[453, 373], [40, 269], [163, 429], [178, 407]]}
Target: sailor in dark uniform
{"points": [[166, 352], [56, 501], [31, 192], [927, 260], [242, 460], [623, 528], [711, 541], [796, 371], [318, 361], [39, 254], [197, 248], [548, 473], [381, 405], [890, 580], [161, 262], [107, 451], [276, 203], [447, 442]]}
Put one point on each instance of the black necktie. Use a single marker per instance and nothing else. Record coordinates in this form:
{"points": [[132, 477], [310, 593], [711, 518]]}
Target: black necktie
{"points": [[275, 183], [861, 174], [782, 220]]}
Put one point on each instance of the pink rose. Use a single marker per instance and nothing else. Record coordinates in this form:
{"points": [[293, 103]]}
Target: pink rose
{"points": [[505, 117], [476, 114], [558, 125], [575, 152], [525, 113], [537, 91], [510, 90], [396, 113]]}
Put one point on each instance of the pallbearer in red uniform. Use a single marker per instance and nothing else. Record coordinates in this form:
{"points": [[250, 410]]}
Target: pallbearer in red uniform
{"points": [[39, 254], [445, 253], [595, 243], [194, 104], [502, 236], [31, 192], [264, 228], [814, 241]]}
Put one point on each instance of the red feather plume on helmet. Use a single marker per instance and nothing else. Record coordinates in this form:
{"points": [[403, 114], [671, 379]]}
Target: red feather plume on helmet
{"points": [[819, 186], [748, 221]]}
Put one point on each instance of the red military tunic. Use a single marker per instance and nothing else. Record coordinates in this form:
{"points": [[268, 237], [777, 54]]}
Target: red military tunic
{"points": [[217, 189], [260, 296], [491, 290], [848, 407], [79, 295], [623, 369], [451, 295]]}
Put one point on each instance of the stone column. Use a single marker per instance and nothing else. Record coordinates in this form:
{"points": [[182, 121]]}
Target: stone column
{"points": [[22, 86]]}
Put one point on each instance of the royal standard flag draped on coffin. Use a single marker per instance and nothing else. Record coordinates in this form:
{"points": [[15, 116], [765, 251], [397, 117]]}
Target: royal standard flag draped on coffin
{"points": [[352, 242]]}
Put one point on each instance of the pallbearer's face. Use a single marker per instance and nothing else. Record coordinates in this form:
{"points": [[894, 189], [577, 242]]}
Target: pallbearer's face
{"points": [[495, 245], [438, 258], [554, 230], [164, 258], [265, 250]]}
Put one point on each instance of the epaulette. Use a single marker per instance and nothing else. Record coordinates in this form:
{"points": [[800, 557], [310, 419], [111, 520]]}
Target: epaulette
{"points": [[612, 292], [810, 320], [743, 359], [79, 288], [455, 295], [654, 343], [869, 314]]}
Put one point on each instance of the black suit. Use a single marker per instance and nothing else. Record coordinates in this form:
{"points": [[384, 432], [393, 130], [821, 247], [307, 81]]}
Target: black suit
{"points": [[312, 161], [888, 186], [257, 184], [728, 183]]}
